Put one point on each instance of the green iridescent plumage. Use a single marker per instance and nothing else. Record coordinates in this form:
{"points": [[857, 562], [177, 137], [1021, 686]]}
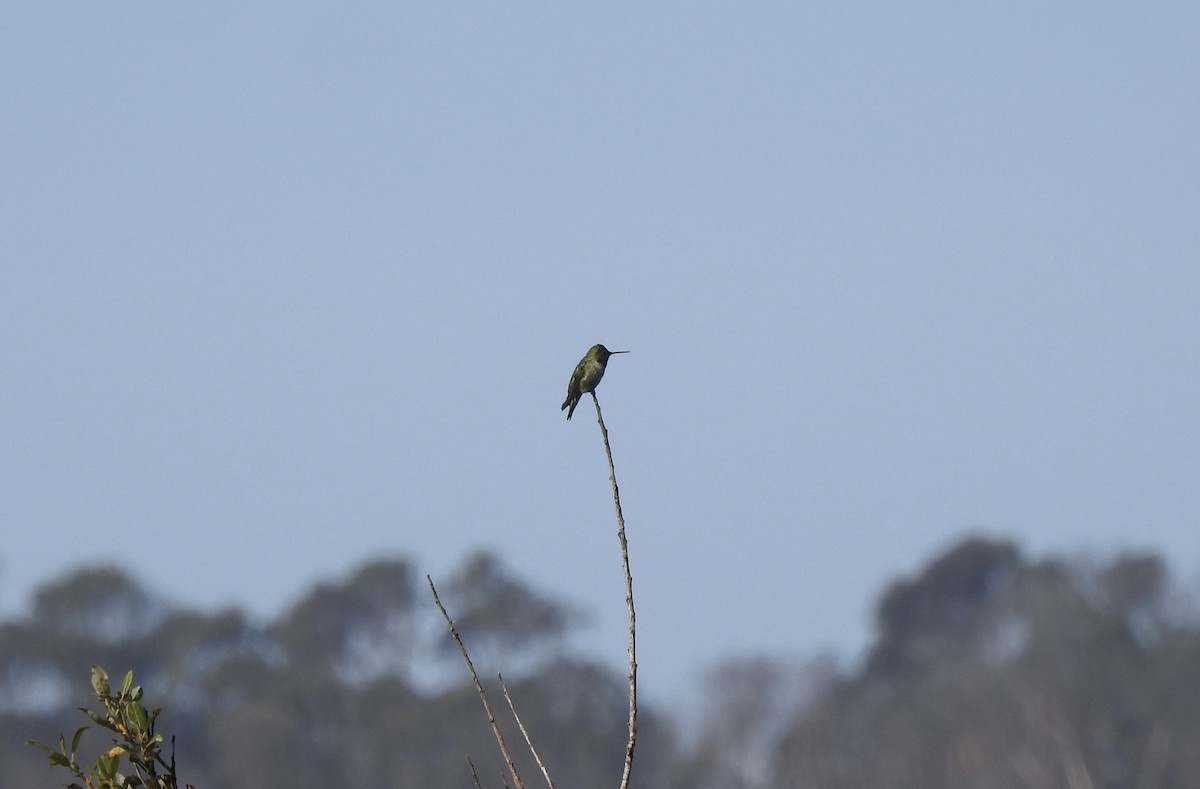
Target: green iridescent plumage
{"points": [[587, 375]]}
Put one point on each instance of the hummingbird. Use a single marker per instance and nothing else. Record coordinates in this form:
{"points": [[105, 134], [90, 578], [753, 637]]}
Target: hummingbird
{"points": [[587, 375]]}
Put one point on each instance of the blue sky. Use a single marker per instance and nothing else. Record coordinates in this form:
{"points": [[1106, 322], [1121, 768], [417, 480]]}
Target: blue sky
{"points": [[288, 286]]}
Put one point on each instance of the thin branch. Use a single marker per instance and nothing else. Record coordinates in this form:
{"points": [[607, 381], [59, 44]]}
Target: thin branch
{"points": [[512, 766], [612, 476], [474, 775], [524, 733]]}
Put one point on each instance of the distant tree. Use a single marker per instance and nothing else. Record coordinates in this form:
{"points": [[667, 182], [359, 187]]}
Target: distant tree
{"points": [[103, 604], [206, 660], [360, 628], [99, 615], [748, 704], [500, 617], [992, 671], [943, 605]]}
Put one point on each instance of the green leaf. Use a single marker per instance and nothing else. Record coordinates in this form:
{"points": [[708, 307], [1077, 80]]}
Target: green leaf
{"points": [[137, 715], [100, 681], [75, 739], [106, 767], [95, 716], [41, 745], [127, 682]]}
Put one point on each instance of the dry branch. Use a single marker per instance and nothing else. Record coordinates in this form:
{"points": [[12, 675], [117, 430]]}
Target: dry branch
{"points": [[525, 734], [612, 476], [512, 766]]}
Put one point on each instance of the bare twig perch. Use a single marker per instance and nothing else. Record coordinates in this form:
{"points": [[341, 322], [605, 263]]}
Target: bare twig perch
{"points": [[612, 476], [474, 775], [512, 766], [525, 734]]}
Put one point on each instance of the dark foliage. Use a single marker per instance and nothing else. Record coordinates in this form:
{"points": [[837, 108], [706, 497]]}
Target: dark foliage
{"points": [[994, 671], [989, 669], [327, 695]]}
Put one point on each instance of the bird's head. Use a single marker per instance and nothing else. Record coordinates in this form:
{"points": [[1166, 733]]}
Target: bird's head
{"points": [[603, 353]]}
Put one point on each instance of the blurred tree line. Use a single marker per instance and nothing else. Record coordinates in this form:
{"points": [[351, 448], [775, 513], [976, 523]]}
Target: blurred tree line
{"points": [[988, 669]]}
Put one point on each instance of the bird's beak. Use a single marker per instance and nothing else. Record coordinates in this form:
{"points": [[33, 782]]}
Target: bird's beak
{"points": [[611, 352]]}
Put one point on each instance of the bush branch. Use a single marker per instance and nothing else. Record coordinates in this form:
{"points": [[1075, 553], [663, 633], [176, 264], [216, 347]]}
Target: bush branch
{"points": [[612, 476], [525, 734], [487, 708]]}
